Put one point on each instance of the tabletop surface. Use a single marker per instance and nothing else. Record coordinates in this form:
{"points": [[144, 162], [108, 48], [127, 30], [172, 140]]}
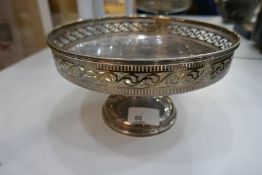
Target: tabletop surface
{"points": [[49, 126]]}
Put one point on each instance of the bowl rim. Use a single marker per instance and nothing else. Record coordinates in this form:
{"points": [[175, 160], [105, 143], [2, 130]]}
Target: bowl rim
{"points": [[121, 60]]}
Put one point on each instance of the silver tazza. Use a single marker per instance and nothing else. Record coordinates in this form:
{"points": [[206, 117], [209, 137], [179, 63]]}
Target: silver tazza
{"points": [[145, 57]]}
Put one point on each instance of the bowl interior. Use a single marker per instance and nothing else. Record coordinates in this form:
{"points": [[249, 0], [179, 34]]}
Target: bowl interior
{"points": [[141, 45], [141, 38]]}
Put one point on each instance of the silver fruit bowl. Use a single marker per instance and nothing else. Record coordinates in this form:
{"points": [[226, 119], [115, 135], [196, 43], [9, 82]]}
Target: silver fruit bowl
{"points": [[140, 61]]}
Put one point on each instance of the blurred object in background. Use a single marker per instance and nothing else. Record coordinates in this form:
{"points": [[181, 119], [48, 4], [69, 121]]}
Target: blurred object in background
{"points": [[175, 7], [244, 29], [163, 7], [257, 33], [114, 7], [98, 8], [246, 26], [63, 11], [203, 7], [21, 30], [237, 11]]}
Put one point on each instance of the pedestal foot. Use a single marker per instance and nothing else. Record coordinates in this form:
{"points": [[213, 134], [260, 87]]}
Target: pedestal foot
{"points": [[139, 116]]}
